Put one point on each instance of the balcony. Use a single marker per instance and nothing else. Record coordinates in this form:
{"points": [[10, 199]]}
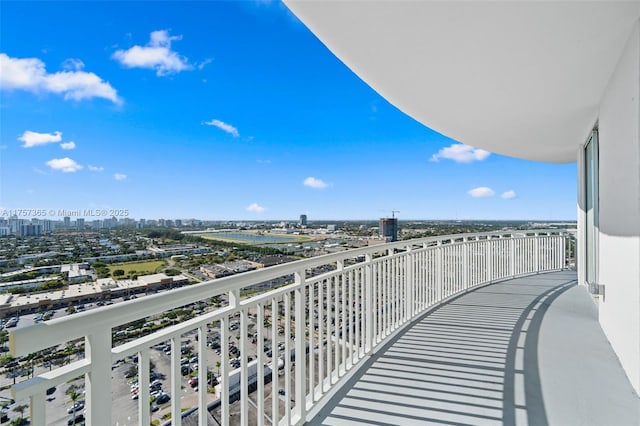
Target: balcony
{"points": [[444, 330], [523, 351]]}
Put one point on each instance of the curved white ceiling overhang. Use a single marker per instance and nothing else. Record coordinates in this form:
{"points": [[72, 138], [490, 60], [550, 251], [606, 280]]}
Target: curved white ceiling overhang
{"points": [[518, 78]]}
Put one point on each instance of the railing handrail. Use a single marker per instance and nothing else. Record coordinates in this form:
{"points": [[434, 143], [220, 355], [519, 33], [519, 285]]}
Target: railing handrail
{"points": [[385, 288], [43, 335]]}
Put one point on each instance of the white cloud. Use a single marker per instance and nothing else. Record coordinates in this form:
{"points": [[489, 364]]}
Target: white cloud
{"points": [[460, 153], [204, 63], [312, 182], [32, 139], [95, 168], [30, 74], [68, 145], [73, 64], [223, 126], [509, 194], [66, 165], [256, 208], [156, 55], [481, 191], [119, 176]]}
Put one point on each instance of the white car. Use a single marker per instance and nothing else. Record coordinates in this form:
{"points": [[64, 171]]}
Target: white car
{"points": [[78, 406]]}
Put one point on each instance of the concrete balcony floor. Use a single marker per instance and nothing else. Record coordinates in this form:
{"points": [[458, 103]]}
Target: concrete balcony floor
{"points": [[527, 351]]}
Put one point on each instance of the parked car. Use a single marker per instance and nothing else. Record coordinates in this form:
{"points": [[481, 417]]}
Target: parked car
{"points": [[163, 398], [79, 418], [78, 406], [13, 321]]}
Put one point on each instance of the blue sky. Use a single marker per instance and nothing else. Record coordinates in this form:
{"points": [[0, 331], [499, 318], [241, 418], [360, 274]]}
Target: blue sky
{"points": [[227, 110]]}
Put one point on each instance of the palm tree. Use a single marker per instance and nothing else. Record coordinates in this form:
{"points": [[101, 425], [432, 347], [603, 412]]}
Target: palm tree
{"points": [[74, 397], [20, 409], [218, 367]]}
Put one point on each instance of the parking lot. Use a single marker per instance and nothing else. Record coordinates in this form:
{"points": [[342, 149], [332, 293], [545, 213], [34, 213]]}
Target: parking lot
{"points": [[125, 408]]}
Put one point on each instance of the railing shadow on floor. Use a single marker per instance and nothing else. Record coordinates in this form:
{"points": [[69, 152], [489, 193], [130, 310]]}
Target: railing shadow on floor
{"points": [[472, 360]]}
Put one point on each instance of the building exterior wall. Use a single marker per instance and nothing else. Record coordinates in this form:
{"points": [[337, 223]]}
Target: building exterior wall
{"points": [[619, 203]]}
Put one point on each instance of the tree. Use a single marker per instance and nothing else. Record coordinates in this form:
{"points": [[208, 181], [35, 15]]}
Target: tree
{"points": [[218, 367], [131, 371], [118, 273], [20, 409], [74, 395], [6, 359]]}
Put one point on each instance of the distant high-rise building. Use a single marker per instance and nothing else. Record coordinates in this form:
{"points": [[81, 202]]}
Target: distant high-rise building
{"points": [[80, 224], [303, 220], [15, 223], [67, 222], [109, 223], [389, 228], [47, 225], [178, 223], [128, 222], [44, 225], [30, 230]]}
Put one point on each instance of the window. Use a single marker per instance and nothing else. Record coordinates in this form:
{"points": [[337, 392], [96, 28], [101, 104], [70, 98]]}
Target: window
{"points": [[591, 201]]}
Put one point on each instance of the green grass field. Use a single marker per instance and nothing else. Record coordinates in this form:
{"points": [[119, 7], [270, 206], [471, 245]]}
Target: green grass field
{"points": [[140, 268]]}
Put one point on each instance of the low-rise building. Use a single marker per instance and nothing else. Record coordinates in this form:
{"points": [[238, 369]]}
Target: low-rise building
{"points": [[227, 268], [77, 272]]}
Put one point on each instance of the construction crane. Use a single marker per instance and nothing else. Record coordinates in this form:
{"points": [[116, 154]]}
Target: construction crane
{"points": [[393, 212]]}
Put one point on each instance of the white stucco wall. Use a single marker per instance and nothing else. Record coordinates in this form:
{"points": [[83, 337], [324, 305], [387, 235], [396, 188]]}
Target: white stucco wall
{"points": [[619, 237]]}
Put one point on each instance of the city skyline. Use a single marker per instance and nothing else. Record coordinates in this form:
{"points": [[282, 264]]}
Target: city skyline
{"points": [[228, 111]]}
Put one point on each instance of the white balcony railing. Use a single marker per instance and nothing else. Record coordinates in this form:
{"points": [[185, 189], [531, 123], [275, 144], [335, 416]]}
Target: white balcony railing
{"points": [[327, 323]]}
